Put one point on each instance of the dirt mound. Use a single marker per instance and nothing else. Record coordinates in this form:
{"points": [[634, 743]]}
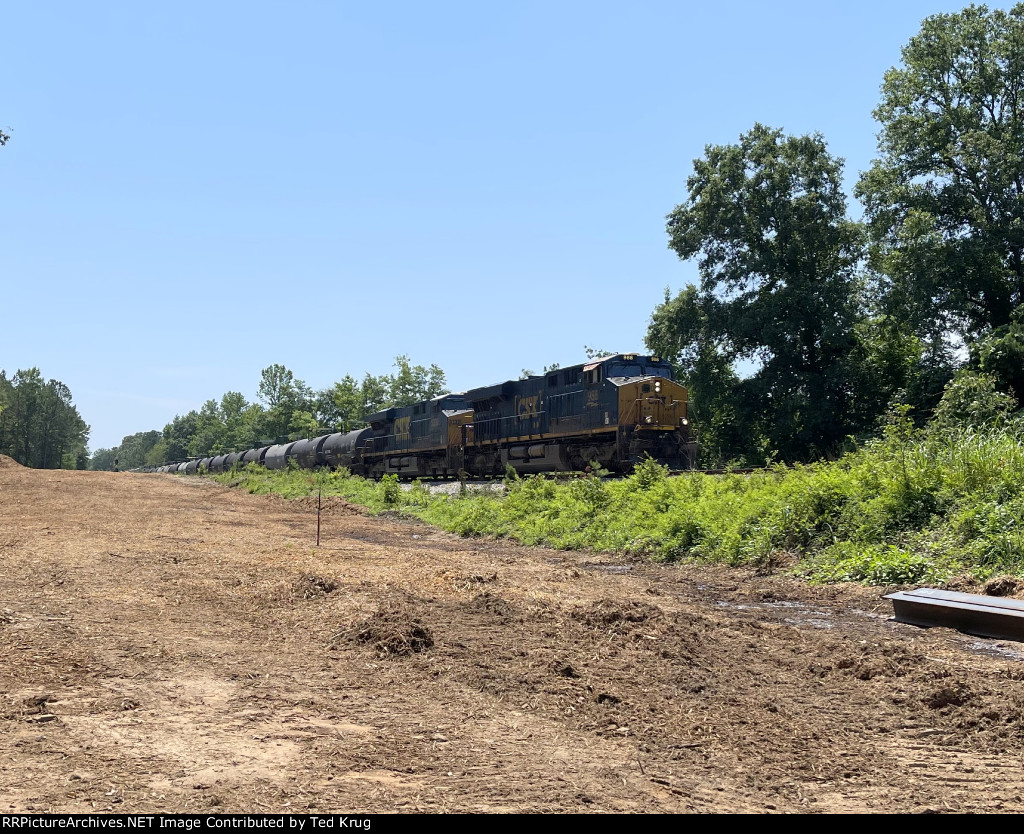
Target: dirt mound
{"points": [[488, 603], [392, 632], [311, 586], [954, 695], [608, 612], [1003, 586], [9, 463], [333, 505]]}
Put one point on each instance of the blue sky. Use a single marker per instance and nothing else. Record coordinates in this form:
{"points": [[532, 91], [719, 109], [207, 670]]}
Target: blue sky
{"points": [[194, 191]]}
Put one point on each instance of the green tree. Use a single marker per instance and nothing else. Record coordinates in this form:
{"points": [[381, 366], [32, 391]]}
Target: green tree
{"points": [[409, 384], [375, 392], [157, 456], [39, 425], [778, 260], [349, 403], [945, 199], [283, 395], [971, 399], [232, 411], [326, 414], [102, 460], [178, 434], [415, 383], [134, 448], [886, 363], [210, 436], [277, 386], [1001, 354]]}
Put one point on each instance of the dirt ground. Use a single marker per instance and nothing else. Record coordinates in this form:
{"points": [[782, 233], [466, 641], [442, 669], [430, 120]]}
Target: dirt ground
{"points": [[169, 644]]}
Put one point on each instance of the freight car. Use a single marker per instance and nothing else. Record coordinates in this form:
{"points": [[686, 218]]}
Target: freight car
{"points": [[610, 412]]}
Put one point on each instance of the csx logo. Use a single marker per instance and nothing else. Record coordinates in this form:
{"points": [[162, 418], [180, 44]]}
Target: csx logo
{"points": [[402, 428], [528, 407], [592, 398]]}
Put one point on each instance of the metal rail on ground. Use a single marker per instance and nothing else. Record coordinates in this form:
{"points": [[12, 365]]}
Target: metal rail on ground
{"points": [[985, 616]]}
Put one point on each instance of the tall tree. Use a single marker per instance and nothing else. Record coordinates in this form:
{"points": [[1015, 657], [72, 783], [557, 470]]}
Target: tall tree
{"points": [[39, 425], [945, 198], [778, 261], [277, 385], [210, 433], [103, 459], [284, 395], [415, 383], [177, 436], [349, 403], [134, 448], [409, 384]]}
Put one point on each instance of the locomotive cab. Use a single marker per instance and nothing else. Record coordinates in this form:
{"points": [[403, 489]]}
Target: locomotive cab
{"points": [[653, 412]]}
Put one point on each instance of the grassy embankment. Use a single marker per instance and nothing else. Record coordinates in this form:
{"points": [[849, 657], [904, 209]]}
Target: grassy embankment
{"points": [[911, 507]]}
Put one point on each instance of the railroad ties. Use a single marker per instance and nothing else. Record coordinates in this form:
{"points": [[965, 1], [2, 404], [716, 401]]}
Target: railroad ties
{"points": [[985, 616]]}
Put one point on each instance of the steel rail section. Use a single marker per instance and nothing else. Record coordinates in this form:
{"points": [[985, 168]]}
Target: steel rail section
{"points": [[984, 616]]}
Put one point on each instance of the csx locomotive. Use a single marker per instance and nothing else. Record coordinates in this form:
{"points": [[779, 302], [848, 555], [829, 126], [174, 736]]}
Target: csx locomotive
{"points": [[610, 412]]}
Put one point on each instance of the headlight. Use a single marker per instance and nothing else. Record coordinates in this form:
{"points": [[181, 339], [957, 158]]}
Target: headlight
{"points": [[647, 419], [657, 386], [684, 422]]}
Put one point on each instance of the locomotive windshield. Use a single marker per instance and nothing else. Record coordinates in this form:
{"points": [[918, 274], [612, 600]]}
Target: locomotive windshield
{"points": [[629, 369]]}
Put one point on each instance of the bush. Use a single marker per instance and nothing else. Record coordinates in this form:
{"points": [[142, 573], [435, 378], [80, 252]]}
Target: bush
{"points": [[648, 473], [971, 400], [391, 490], [874, 564]]}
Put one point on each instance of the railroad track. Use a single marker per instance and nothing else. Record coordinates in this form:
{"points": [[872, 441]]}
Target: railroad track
{"points": [[746, 470]]}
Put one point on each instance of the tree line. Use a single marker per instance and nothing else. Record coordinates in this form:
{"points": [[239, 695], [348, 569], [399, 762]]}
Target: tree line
{"points": [[287, 409], [807, 325], [39, 425]]}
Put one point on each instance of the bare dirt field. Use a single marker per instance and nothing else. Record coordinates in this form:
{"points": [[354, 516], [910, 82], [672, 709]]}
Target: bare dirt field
{"points": [[169, 644]]}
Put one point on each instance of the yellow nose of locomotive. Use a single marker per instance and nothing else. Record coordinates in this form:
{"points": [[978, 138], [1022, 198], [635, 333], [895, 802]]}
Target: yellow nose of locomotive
{"points": [[654, 404]]}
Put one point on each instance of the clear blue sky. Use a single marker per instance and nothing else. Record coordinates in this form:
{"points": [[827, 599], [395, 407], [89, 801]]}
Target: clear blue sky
{"points": [[194, 191]]}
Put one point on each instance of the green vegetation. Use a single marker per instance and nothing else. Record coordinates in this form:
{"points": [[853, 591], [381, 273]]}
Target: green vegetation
{"points": [[39, 425], [915, 505], [943, 198], [777, 256], [807, 323]]}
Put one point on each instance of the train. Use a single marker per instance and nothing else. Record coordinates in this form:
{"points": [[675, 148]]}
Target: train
{"points": [[609, 413]]}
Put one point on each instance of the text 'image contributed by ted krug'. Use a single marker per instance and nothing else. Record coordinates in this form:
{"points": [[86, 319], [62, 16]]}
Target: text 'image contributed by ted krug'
{"points": [[191, 822]]}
